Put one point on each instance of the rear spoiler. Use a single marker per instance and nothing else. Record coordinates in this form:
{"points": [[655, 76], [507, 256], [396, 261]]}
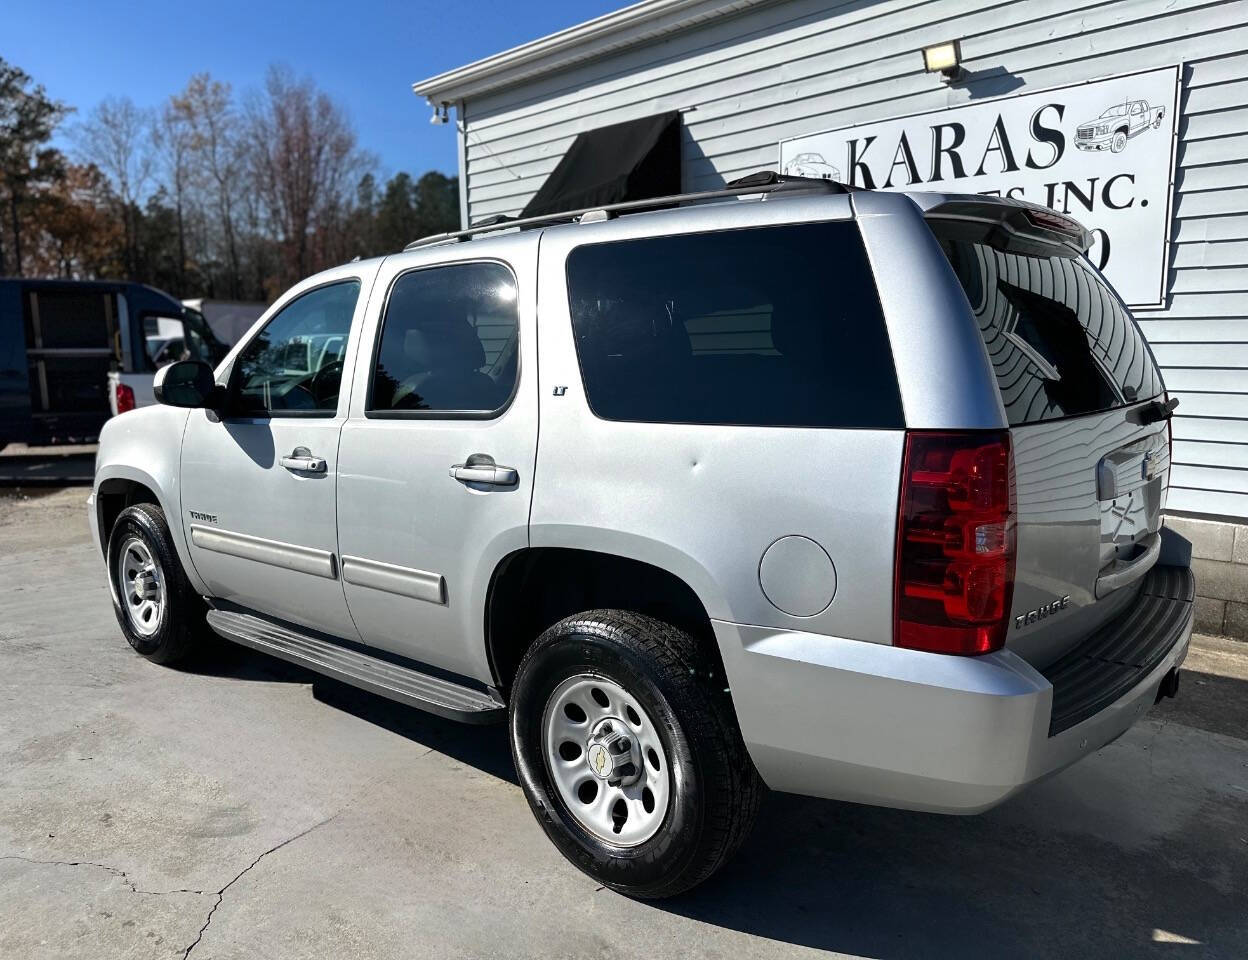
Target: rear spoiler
{"points": [[1015, 221]]}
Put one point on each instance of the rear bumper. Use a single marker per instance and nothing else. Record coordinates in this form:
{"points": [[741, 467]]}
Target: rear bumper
{"points": [[871, 723]]}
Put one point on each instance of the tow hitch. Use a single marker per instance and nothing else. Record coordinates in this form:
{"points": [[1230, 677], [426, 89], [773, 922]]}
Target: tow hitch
{"points": [[1169, 685]]}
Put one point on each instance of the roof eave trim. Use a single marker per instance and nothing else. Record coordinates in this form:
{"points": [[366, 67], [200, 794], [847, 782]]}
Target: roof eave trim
{"points": [[605, 34]]}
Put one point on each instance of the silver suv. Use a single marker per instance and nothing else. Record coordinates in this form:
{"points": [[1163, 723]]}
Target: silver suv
{"points": [[852, 494]]}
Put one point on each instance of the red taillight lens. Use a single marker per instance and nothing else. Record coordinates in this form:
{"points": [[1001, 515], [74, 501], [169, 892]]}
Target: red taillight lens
{"points": [[1053, 221], [955, 543], [125, 398]]}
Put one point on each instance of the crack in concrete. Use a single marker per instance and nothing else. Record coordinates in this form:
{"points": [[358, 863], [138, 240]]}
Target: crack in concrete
{"points": [[1152, 743], [120, 874], [221, 893]]}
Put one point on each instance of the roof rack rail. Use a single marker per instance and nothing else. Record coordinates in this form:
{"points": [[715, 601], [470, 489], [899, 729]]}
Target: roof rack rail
{"points": [[763, 182]]}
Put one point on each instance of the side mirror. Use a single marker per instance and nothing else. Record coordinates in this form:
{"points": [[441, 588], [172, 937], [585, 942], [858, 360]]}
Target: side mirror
{"points": [[186, 383]]}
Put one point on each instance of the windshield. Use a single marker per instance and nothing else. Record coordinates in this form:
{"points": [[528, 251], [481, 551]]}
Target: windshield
{"points": [[1118, 111], [1061, 342]]}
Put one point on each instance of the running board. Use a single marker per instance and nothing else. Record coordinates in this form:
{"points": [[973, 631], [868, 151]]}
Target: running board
{"points": [[404, 684]]}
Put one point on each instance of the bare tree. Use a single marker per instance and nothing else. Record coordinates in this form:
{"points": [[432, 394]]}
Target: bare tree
{"points": [[204, 195], [116, 138], [305, 161], [172, 136], [208, 110]]}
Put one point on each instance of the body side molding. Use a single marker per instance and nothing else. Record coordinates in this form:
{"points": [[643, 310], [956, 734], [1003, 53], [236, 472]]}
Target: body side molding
{"points": [[392, 578], [289, 556]]}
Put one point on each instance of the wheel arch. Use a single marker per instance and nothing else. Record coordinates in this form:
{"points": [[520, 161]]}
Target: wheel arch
{"points": [[114, 494], [118, 486], [534, 588]]}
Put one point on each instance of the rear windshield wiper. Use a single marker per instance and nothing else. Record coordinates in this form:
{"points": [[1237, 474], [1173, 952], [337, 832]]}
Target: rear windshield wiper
{"points": [[1153, 412]]}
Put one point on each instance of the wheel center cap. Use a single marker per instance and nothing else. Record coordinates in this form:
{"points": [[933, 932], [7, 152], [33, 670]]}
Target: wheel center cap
{"points": [[600, 761], [612, 754]]}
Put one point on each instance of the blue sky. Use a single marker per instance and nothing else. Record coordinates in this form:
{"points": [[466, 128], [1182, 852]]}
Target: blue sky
{"points": [[366, 54]]}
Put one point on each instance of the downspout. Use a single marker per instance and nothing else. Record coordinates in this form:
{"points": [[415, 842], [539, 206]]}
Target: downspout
{"points": [[461, 148]]}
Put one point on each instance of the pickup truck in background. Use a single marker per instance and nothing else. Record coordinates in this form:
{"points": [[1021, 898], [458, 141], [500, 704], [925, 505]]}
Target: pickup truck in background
{"points": [[182, 335], [1113, 128]]}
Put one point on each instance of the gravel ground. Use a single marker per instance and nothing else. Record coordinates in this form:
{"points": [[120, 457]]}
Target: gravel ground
{"points": [[247, 809]]}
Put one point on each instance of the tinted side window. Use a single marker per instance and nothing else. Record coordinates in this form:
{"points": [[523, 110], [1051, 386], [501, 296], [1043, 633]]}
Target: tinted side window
{"points": [[293, 366], [768, 326], [449, 341], [1060, 341]]}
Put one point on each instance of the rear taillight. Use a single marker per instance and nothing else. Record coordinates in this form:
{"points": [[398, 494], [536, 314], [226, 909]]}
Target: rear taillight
{"points": [[955, 543], [125, 398]]}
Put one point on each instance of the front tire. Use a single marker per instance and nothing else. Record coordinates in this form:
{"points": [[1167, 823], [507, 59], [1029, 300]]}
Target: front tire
{"points": [[1119, 142], [156, 606], [629, 754]]}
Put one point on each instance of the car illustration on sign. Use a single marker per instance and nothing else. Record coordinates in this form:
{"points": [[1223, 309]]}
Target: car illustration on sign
{"points": [[1113, 128], [811, 165]]}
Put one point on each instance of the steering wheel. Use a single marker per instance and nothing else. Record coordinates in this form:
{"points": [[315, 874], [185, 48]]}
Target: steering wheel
{"points": [[316, 384]]}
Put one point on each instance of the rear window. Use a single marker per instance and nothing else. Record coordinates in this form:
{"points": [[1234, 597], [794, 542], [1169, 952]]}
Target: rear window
{"points": [[769, 326], [1061, 342]]}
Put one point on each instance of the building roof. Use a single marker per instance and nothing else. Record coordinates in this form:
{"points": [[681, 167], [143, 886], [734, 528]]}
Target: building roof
{"points": [[610, 33]]}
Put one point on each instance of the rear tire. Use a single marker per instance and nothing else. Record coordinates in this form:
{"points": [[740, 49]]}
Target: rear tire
{"points": [[679, 796], [159, 611]]}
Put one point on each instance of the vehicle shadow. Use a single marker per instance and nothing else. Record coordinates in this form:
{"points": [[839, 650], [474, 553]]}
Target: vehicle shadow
{"points": [[483, 747], [891, 884], [1023, 880], [1210, 702]]}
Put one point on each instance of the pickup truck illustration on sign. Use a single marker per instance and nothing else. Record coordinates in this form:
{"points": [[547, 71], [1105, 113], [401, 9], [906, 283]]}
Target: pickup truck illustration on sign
{"points": [[1113, 128]]}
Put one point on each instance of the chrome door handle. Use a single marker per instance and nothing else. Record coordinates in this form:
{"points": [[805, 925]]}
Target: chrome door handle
{"points": [[302, 461], [482, 469]]}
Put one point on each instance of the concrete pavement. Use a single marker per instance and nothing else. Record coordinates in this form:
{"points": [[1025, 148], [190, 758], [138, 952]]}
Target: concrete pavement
{"points": [[248, 809]]}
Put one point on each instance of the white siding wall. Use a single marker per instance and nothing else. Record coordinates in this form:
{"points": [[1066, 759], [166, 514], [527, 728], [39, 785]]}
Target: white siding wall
{"points": [[795, 67]]}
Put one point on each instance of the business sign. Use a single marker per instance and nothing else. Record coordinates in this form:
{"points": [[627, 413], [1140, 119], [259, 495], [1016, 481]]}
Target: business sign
{"points": [[1101, 151]]}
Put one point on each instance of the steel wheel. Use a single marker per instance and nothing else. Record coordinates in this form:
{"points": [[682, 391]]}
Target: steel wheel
{"points": [[606, 760], [141, 586]]}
